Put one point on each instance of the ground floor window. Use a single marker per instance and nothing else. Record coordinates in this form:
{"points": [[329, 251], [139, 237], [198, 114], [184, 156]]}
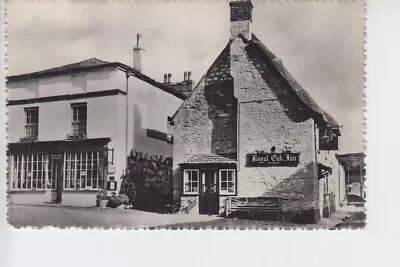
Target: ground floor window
{"points": [[30, 171], [83, 170], [221, 181], [191, 182], [227, 182]]}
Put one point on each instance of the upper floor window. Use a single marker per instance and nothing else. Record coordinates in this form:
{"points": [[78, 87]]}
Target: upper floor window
{"points": [[32, 123], [79, 120]]}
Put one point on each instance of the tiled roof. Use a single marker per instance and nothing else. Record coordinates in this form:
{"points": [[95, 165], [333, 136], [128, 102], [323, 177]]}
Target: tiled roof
{"points": [[90, 65], [210, 158], [217, 75], [301, 93]]}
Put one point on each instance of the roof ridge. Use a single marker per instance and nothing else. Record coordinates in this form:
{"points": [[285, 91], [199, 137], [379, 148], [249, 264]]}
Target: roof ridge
{"points": [[299, 91], [89, 65], [60, 67]]}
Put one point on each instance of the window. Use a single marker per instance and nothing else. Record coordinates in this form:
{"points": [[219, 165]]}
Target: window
{"points": [[83, 170], [32, 123], [227, 182], [31, 171], [79, 120], [191, 182]]}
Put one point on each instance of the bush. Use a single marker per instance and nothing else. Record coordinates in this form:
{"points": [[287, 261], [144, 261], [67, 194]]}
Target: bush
{"points": [[117, 200]]}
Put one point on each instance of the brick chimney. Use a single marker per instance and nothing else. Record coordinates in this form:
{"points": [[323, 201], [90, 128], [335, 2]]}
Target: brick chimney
{"points": [[137, 54], [241, 18], [185, 87]]}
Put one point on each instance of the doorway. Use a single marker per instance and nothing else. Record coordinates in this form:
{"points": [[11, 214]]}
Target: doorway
{"points": [[56, 172], [209, 197]]}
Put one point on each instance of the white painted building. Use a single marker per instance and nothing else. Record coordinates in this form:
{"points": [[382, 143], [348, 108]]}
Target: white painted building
{"points": [[70, 129]]}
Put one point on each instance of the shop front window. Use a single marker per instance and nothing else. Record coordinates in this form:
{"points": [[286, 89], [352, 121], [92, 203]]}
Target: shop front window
{"points": [[31, 171], [191, 182], [83, 170], [227, 182]]}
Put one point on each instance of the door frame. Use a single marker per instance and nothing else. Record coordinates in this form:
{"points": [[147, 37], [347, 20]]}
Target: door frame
{"points": [[202, 177], [57, 160]]}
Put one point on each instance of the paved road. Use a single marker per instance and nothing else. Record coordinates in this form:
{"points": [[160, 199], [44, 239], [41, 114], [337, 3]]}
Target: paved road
{"points": [[41, 216], [356, 220]]}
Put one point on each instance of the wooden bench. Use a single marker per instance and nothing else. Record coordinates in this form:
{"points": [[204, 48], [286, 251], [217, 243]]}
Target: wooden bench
{"points": [[254, 204]]}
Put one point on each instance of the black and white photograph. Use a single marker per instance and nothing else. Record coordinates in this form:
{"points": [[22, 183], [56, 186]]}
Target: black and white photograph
{"points": [[214, 115]]}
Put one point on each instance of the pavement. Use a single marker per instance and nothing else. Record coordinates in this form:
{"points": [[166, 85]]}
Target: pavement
{"points": [[344, 218], [65, 217], [92, 217]]}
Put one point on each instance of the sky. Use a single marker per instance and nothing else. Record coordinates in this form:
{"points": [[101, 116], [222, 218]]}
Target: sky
{"points": [[320, 43]]}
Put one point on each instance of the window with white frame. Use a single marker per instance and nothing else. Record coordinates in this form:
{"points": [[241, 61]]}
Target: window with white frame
{"points": [[83, 170], [191, 181], [227, 182], [79, 119], [31, 171], [32, 122]]}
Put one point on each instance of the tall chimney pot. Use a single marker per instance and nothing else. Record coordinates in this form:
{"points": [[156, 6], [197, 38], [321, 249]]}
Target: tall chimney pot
{"points": [[137, 54], [169, 78], [185, 76], [189, 74]]}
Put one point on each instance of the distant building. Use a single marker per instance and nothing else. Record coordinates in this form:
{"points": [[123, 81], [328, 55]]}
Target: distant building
{"points": [[352, 171], [250, 130], [72, 127]]}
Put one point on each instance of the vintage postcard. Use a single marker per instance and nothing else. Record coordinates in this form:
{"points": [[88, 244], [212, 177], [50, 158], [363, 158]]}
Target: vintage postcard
{"points": [[186, 115]]}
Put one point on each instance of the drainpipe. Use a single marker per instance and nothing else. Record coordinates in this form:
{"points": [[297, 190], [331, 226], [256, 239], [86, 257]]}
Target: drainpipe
{"points": [[238, 135], [361, 180], [126, 116], [315, 157], [340, 202], [348, 181]]}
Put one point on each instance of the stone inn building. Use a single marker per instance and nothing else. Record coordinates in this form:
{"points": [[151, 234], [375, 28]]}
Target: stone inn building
{"points": [[250, 130], [72, 127]]}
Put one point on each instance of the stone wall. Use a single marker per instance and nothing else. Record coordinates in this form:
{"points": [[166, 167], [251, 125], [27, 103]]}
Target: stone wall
{"points": [[243, 105], [271, 118], [206, 123]]}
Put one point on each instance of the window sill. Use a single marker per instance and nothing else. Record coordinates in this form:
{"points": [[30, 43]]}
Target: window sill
{"points": [[227, 194], [80, 191], [28, 191], [190, 194]]}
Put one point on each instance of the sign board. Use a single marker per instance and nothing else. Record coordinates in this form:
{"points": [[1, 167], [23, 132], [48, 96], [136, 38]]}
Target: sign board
{"points": [[328, 139], [263, 159], [110, 169], [56, 156], [111, 185]]}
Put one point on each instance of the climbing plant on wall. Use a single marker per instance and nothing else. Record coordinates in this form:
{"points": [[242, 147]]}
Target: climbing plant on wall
{"points": [[148, 181]]}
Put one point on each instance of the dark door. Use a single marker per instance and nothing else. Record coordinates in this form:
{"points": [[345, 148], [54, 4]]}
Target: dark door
{"points": [[57, 176], [209, 198]]}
